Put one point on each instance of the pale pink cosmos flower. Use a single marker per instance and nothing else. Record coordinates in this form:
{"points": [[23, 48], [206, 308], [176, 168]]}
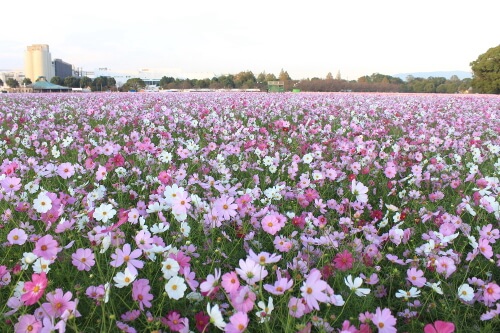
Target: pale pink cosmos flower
{"points": [[238, 322], [296, 307], [384, 321], [250, 271], [210, 284], [360, 191], [65, 170], [225, 208], [243, 299], [416, 277], [59, 302], [181, 203], [28, 323], [281, 285], [485, 248], [491, 293], [313, 289], [446, 266], [273, 223], [83, 259], [17, 236], [264, 258], [11, 184], [126, 255]]}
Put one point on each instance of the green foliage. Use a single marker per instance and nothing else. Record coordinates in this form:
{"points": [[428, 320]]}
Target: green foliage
{"points": [[486, 69], [26, 81], [57, 80], [85, 82], [12, 83], [71, 82], [132, 84]]}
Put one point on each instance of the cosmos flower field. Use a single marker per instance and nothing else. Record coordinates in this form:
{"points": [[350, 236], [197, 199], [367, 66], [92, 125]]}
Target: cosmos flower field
{"points": [[192, 212]]}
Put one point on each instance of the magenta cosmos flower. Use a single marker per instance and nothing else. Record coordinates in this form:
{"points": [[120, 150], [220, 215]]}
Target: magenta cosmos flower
{"points": [[58, 302], [225, 207], [440, 327]]}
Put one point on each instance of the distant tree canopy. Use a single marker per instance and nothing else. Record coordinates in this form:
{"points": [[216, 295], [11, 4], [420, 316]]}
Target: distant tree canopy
{"points": [[26, 81], [57, 80], [133, 84], [486, 70], [12, 83]]}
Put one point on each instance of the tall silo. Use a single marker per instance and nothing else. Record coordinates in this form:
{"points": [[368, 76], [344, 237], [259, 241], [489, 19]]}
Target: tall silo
{"points": [[38, 62]]}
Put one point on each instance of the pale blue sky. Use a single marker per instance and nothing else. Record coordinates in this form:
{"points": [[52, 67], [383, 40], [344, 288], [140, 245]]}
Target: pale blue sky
{"points": [[306, 38]]}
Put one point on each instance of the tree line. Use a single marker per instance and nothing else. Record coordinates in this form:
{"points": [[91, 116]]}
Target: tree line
{"points": [[486, 79]]}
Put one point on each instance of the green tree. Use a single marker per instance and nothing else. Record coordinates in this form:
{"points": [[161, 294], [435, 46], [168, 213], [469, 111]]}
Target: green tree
{"points": [[26, 81], [85, 82], [57, 80], [284, 76], [70, 81], [486, 72], [329, 76], [133, 84], [12, 83], [245, 80], [166, 80]]}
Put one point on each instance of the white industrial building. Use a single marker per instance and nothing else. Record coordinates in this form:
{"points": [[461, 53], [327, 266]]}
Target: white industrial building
{"points": [[38, 62]]}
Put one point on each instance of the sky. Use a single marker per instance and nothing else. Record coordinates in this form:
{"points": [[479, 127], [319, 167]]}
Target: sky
{"points": [[214, 37]]}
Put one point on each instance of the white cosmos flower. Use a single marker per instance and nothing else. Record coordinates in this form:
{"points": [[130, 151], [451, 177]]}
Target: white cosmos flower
{"points": [[355, 285], [465, 292], [42, 204], [216, 316], [413, 292], [435, 287], [104, 212], [170, 268], [175, 287], [123, 279]]}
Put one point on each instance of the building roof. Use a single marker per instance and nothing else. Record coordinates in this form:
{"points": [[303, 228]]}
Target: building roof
{"points": [[44, 85]]}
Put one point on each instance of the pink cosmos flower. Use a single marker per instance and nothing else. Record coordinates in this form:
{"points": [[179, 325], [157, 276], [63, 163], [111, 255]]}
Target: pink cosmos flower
{"points": [[384, 321], [313, 289], [65, 170], [485, 248], [58, 302], [140, 293], [273, 223], [446, 266], [34, 289], [440, 327], [181, 203], [281, 285], [17, 236], [101, 173], [225, 207], [28, 324], [296, 307], [416, 277], [238, 322], [343, 261], [210, 284], [126, 255], [83, 259], [230, 282], [173, 320], [11, 184], [244, 299], [491, 293], [46, 247]]}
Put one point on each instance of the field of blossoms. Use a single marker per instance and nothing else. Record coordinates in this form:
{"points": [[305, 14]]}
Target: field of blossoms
{"points": [[192, 212]]}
